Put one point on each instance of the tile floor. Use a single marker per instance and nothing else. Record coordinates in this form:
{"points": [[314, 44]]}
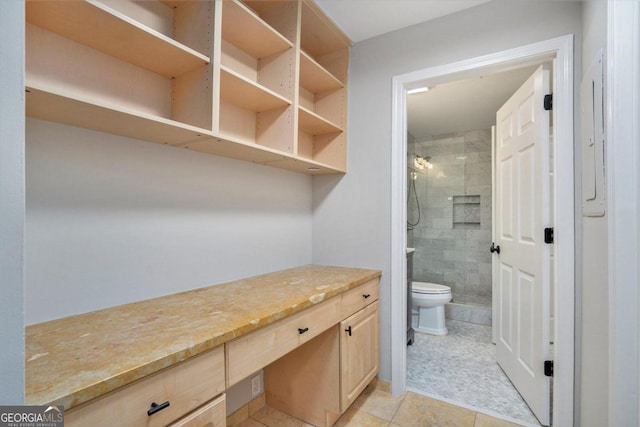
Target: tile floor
{"points": [[460, 368], [377, 408]]}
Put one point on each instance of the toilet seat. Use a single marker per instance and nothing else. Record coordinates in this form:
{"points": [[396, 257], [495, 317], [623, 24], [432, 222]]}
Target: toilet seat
{"points": [[429, 288]]}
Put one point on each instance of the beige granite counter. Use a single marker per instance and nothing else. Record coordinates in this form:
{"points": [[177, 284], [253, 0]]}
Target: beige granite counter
{"points": [[75, 359]]}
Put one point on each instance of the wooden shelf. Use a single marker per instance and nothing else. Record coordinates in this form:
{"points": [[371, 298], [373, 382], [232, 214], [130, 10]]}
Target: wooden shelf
{"points": [[244, 92], [247, 31], [242, 150], [102, 28], [311, 123], [314, 77], [47, 104], [319, 36]]}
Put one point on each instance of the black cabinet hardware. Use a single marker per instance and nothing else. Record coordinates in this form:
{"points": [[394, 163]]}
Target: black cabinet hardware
{"points": [[494, 248], [302, 330], [157, 407], [366, 296], [348, 330]]}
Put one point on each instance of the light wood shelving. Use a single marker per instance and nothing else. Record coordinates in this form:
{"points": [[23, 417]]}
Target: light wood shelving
{"points": [[258, 81], [98, 26]]}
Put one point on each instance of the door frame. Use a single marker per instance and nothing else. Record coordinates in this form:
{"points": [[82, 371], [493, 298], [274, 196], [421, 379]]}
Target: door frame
{"points": [[560, 51], [623, 210]]}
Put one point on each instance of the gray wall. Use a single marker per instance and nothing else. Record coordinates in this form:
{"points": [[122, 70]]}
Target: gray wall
{"points": [[112, 220], [351, 219], [12, 203], [594, 349], [454, 232]]}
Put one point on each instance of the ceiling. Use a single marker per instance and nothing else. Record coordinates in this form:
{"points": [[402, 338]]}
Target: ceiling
{"points": [[462, 105], [452, 107], [363, 19]]}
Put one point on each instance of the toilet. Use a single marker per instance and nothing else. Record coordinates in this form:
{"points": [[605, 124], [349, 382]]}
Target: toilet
{"points": [[429, 299]]}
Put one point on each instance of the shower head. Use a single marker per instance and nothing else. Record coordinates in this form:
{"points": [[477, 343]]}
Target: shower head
{"points": [[423, 162]]}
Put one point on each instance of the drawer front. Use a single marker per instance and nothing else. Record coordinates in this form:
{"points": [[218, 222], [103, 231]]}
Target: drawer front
{"points": [[185, 386], [256, 350], [358, 298], [213, 414]]}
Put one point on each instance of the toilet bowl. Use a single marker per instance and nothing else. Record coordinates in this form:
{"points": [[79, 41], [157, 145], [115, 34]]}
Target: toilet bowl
{"points": [[429, 299]]}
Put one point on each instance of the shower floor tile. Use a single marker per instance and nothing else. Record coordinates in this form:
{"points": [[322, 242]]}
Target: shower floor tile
{"points": [[461, 368]]}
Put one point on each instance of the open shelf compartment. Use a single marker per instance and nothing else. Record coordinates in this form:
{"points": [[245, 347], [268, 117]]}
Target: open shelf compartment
{"points": [[315, 78], [48, 104], [244, 29], [105, 29]]}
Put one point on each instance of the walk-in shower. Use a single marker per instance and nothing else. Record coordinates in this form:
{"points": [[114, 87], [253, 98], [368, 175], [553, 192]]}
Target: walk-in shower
{"points": [[449, 218]]}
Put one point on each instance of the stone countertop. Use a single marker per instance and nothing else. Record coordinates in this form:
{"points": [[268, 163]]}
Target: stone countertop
{"points": [[75, 359]]}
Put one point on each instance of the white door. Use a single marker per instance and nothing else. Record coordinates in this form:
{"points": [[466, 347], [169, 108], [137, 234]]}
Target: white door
{"points": [[522, 212]]}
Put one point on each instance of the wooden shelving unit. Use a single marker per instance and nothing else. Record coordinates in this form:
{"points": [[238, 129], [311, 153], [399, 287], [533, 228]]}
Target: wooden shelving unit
{"points": [[322, 101], [258, 81]]}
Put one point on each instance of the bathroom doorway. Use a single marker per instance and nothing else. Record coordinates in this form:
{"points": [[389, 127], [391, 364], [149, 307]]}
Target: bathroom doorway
{"points": [[559, 52], [449, 226]]}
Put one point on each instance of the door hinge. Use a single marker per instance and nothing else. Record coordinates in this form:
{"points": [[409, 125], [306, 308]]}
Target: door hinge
{"points": [[548, 368], [548, 235], [548, 102]]}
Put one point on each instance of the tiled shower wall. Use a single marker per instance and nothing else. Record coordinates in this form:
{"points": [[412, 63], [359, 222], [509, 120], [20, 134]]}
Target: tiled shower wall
{"points": [[453, 236]]}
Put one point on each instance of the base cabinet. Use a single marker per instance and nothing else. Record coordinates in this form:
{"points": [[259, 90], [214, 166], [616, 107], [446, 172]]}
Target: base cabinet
{"points": [[358, 353], [159, 399], [318, 381], [212, 414]]}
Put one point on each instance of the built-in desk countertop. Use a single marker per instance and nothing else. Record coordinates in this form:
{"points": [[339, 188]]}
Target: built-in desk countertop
{"points": [[75, 359]]}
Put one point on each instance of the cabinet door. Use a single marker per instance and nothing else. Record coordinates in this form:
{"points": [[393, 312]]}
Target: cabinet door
{"points": [[212, 414], [358, 353]]}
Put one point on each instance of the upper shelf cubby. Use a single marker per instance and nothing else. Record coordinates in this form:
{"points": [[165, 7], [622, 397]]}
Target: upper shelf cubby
{"points": [[244, 29], [319, 36], [241, 91], [315, 78], [102, 27]]}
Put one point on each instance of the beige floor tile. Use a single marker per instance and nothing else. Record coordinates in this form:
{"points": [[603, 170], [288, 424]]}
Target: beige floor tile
{"points": [[483, 420], [356, 418], [378, 403], [381, 385], [250, 423], [274, 418], [420, 411]]}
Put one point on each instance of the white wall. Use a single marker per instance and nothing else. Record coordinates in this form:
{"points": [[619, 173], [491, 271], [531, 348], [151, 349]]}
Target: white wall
{"points": [[351, 219], [112, 220], [592, 376], [12, 203]]}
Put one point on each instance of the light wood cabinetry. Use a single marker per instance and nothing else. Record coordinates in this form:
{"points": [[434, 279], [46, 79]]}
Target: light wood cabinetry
{"points": [[256, 350], [257, 81], [358, 353], [175, 391], [212, 414], [318, 381]]}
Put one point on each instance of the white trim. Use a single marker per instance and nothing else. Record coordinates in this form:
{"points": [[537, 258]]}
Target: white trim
{"points": [[623, 175], [560, 50]]}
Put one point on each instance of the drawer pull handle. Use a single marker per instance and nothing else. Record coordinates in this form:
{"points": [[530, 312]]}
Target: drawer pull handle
{"points": [[366, 296], [348, 330], [157, 407], [302, 330]]}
